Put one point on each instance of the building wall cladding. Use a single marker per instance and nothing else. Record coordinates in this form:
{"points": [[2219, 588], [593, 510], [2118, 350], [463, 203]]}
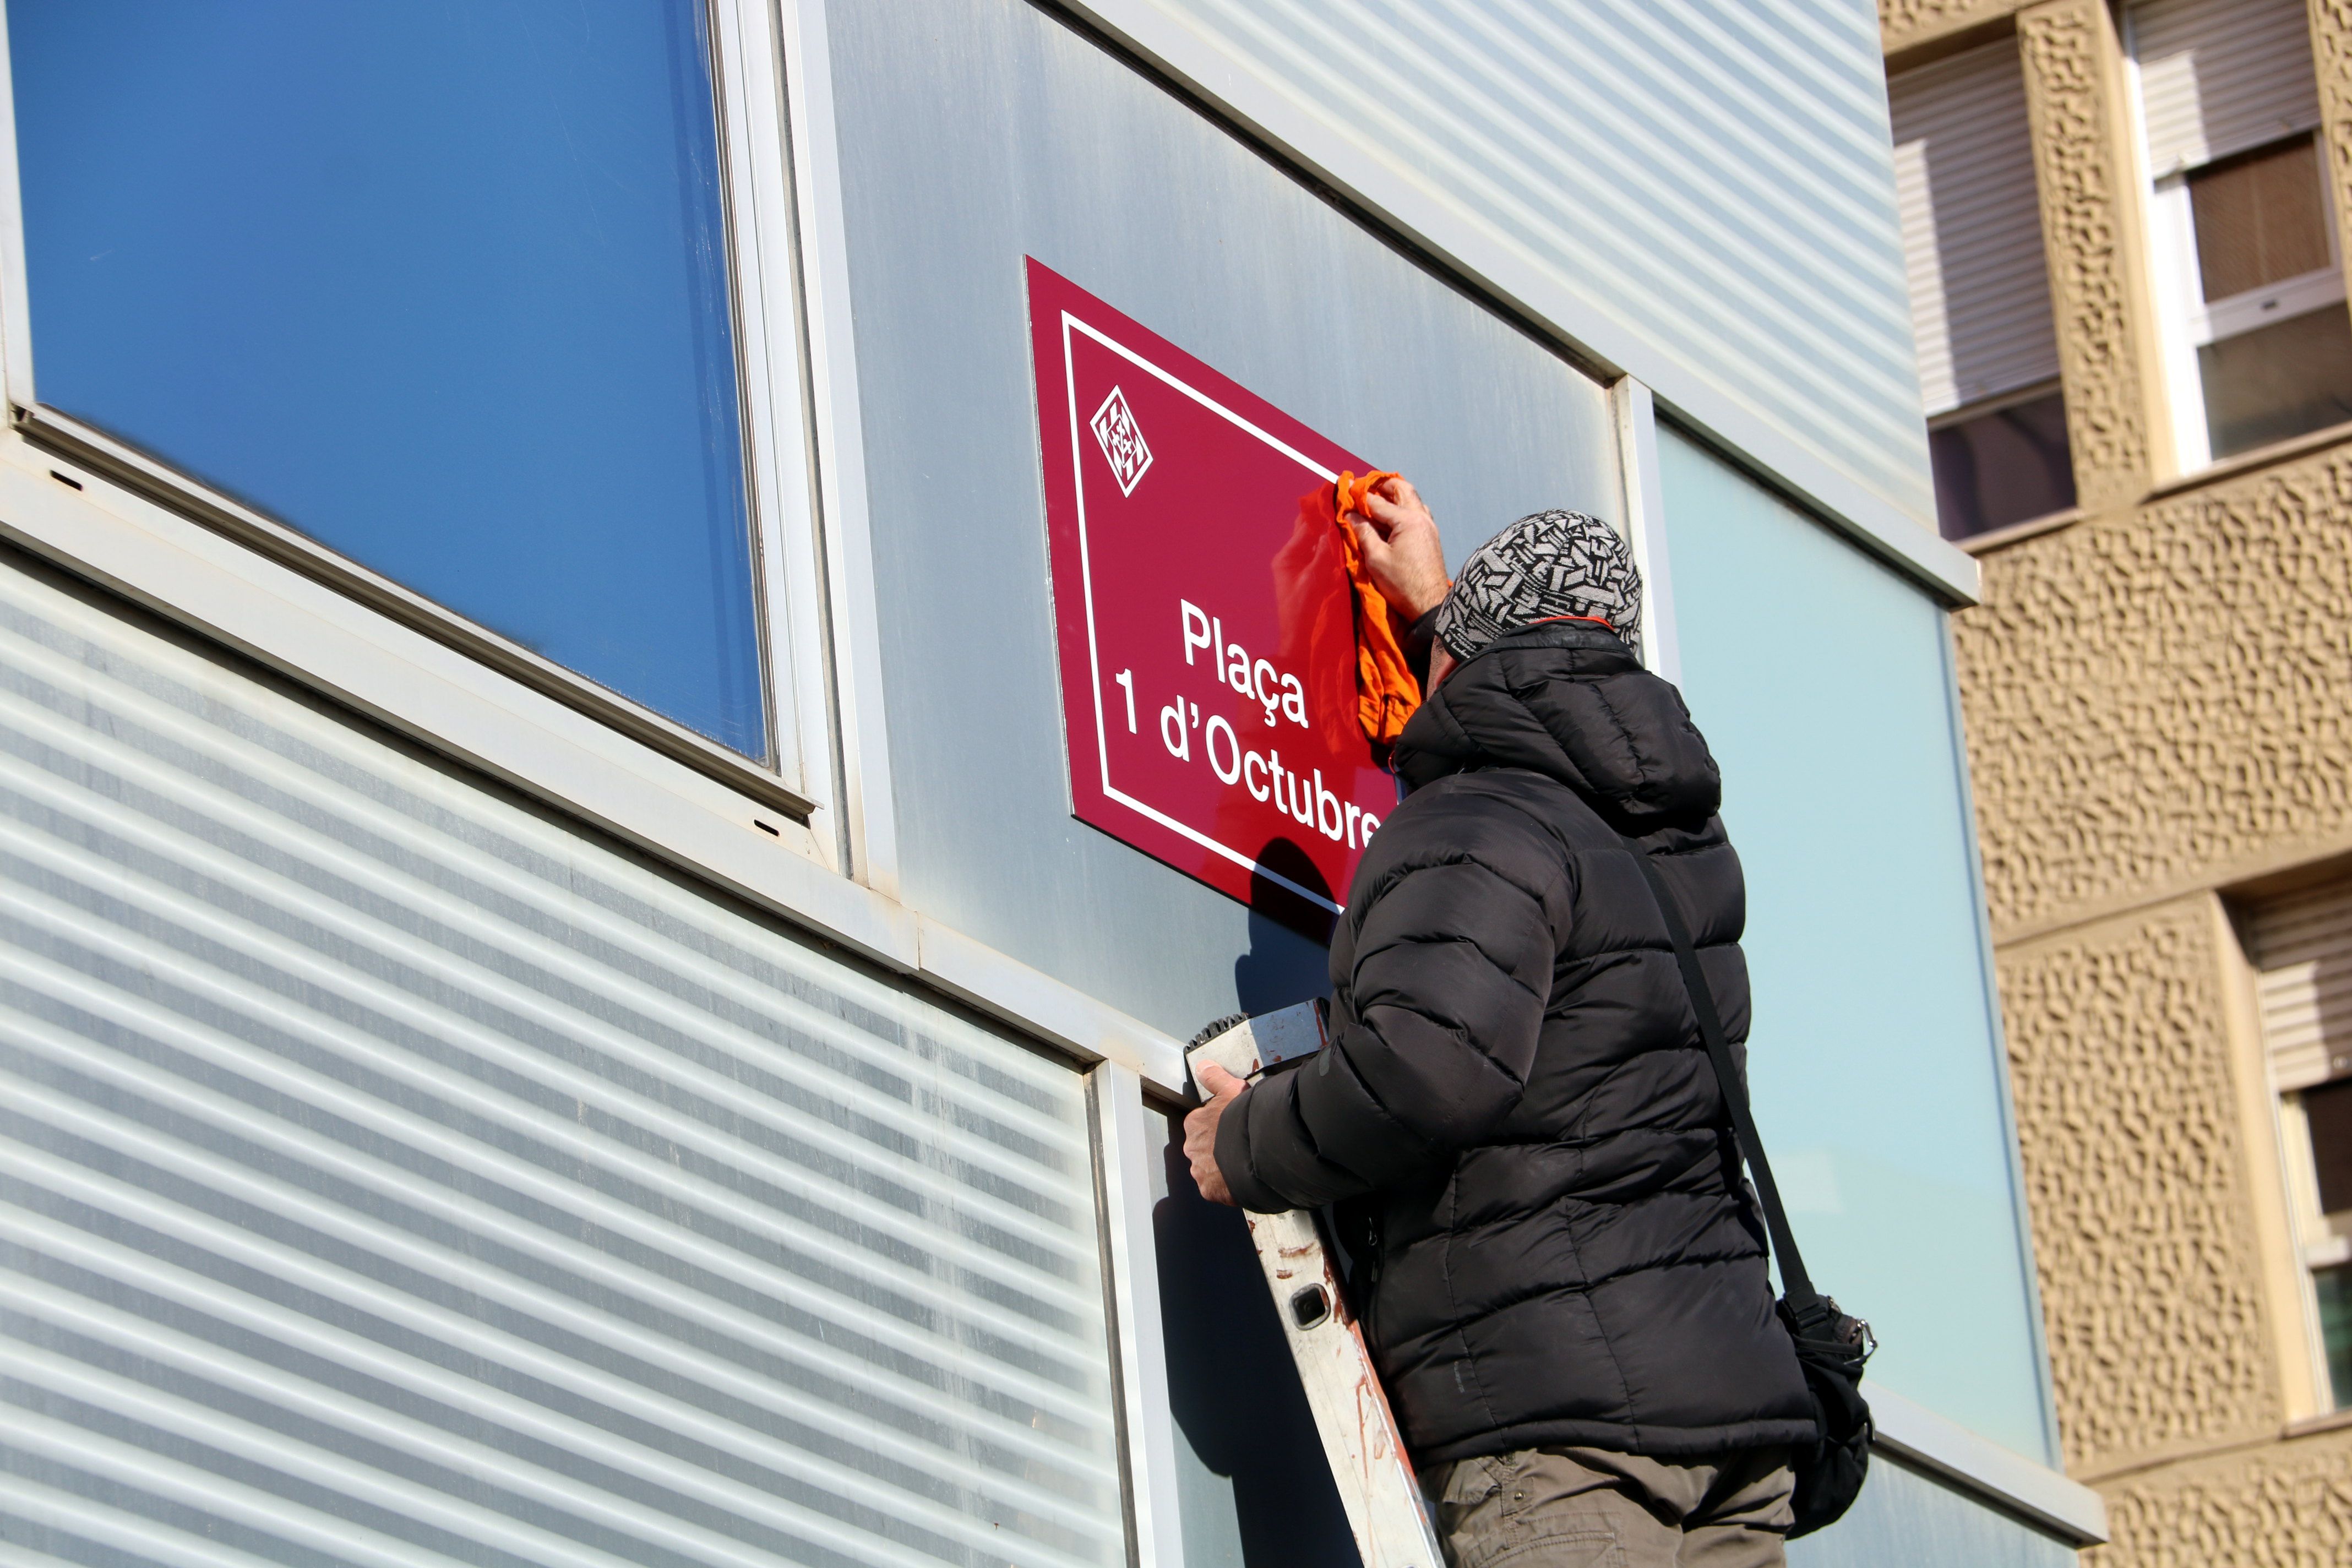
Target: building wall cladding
{"points": [[2151, 1283], [1708, 177], [2156, 689], [2157, 697], [2280, 1505], [392, 1174], [395, 1169]]}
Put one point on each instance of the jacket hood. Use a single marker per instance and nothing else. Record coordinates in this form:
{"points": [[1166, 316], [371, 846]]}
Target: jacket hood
{"points": [[1569, 700]]}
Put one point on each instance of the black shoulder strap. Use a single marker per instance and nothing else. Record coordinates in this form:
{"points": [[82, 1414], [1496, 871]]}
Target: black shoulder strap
{"points": [[1794, 1283]]}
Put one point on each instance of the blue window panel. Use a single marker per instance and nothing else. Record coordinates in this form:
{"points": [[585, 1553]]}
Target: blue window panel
{"points": [[441, 285], [1822, 681]]}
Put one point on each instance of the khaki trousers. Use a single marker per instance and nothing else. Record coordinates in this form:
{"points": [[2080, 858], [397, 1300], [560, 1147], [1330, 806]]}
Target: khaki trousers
{"points": [[1588, 1508]]}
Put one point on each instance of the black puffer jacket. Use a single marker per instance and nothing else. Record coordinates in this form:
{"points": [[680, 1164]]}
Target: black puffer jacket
{"points": [[1516, 1100]]}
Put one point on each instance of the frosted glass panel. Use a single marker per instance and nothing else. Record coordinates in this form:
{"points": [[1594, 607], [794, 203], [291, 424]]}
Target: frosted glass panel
{"points": [[1821, 681]]}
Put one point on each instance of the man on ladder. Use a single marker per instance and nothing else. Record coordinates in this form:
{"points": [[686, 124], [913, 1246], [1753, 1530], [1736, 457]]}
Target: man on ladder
{"points": [[1560, 1274]]}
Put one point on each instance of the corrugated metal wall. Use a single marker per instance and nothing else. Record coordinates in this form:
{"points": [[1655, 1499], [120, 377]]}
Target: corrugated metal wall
{"points": [[389, 1176], [1714, 175]]}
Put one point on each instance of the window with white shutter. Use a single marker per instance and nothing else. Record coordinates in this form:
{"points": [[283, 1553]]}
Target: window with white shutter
{"points": [[2301, 949], [1980, 290], [2258, 343]]}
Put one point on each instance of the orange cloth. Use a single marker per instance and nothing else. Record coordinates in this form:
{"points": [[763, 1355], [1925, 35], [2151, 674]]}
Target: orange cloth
{"points": [[1386, 692]]}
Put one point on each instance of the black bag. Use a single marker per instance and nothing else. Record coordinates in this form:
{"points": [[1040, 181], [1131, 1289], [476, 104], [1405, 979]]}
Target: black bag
{"points": [[1831, 1346]]}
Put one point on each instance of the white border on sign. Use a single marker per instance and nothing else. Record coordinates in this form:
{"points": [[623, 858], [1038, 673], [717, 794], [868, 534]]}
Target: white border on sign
{"points": [[1086, 580]]}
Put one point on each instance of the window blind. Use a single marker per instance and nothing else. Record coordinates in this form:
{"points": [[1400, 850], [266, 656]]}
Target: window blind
{"points": [[1971, 228], [2301, 948], [2217, 76]]}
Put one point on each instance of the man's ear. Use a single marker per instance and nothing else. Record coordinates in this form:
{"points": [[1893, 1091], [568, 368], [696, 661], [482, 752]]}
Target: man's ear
{"points": [[1441, 664]]}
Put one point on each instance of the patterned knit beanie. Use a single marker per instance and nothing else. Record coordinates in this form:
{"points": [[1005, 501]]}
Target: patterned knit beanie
{"points": [[1546, 565]]}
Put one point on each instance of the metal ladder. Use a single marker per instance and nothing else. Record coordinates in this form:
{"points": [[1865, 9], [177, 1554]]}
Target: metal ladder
{"points": [[1369, 1463]]}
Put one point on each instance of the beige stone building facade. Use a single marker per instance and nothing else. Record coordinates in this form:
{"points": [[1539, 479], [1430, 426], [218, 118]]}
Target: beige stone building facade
{"points": [[2158, 696]]}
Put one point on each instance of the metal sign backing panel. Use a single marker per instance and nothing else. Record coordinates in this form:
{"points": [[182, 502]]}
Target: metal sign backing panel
{"points": [[1203, 611]]}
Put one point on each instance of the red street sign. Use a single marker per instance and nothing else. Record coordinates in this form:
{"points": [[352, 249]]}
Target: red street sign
{"points": [[1204, 619]]}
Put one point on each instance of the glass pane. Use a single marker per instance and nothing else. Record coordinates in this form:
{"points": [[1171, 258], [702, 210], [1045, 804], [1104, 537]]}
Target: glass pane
{"points": [[2327, 1110], [1876, 1067], [2260, 218], [2334, 1288], [2279, 381], [443, 286], [2002, 468]]}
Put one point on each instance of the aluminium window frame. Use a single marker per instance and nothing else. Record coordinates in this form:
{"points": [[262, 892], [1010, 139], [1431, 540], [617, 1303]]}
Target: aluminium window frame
{"points": [[2321, 1240], [2297, 1238], [798, 778], [865, 826], [2188, 321], [1993, 403], [1633, 419], [2185, 321]]}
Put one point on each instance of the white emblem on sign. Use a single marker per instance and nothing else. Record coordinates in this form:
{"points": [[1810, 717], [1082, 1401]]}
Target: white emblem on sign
{"points": [[1114, 425]]}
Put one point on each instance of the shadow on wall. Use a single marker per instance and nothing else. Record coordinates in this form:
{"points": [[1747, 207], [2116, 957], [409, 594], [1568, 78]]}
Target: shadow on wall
{"points": [[1290, 955], [1234, 1389]]}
